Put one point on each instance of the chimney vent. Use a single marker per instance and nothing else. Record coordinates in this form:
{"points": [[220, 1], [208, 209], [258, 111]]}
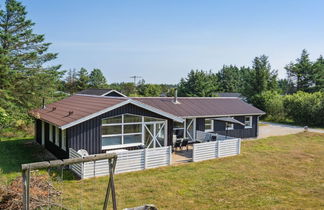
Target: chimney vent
{"points": [[175, 100], [43, 104], [53, 108], [70, 113]]}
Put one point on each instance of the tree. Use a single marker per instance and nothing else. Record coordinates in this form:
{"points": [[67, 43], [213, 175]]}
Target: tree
{"points": [[319, 74], [285, 86], [198, 83], [259, 78], [97, 79], [301, 72], [149, 90], [229, 79], [22, 58], [71, 81], [83, 79]]}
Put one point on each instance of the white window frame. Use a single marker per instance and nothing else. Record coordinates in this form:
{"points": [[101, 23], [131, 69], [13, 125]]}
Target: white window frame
{"points": [[57, 136], [63, 145], [250, 122], [211, 124], [122, 134], [230, 127], [50, 133]]}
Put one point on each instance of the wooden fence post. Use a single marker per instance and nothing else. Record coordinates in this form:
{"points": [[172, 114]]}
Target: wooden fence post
{"points": [[193, 153], [218, 148], [170, 155], [239, 146], [26, 181], [145, 158]]}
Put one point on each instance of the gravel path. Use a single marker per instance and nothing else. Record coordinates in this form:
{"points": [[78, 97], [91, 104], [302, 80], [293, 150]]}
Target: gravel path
{"points": [[277, 129]]}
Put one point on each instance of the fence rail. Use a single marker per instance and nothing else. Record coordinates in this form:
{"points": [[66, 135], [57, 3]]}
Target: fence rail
{"points": [[127, 161], [216, 149]]}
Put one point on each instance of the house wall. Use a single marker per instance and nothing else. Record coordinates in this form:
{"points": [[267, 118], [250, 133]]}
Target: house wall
{"points": [[87, 135], [239, 131], [38, 131]]}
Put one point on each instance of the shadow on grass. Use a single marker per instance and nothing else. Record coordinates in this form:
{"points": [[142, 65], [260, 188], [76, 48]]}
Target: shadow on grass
{"points": [[13, 153]]}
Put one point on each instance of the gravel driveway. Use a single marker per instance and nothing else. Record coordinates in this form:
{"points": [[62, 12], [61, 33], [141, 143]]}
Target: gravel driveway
{"points": [[276, 129]]}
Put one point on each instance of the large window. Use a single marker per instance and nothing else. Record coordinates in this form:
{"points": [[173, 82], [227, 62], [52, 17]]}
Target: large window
{"points": [[248, 121], [120, 130], [209, 125]]}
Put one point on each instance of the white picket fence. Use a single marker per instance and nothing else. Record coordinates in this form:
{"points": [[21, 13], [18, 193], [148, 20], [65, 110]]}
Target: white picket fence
{"points": [[216, 149], [127, 161]]}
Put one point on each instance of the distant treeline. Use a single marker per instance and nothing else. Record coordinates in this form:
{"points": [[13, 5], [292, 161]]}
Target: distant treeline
{"points": [[26, 78]]}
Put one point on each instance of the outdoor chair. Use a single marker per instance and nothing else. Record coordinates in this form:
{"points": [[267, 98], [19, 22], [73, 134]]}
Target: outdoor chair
{"points": [[177, 144], [184, 143]]}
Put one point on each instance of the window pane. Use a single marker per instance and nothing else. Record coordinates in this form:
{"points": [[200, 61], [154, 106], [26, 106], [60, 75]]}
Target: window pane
{"points": [[112, 120], [132, 118], [112, 129], [149, 119], [129, 139], [208, 126], [108, 141], [134, 128], [177, 125]]}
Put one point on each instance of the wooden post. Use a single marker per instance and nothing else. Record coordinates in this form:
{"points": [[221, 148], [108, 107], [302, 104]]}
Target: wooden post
{"points": [[239, 146], [111, 185], [193, 152], [145, 158], [170, 155], [218, 148], [26, 181]]}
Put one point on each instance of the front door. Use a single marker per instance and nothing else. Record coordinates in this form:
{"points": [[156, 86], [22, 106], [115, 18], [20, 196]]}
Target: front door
{"points": [[155, 134], [191, 129]]}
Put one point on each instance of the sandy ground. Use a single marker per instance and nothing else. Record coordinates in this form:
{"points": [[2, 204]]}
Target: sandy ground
{"points": [[276, 129]]}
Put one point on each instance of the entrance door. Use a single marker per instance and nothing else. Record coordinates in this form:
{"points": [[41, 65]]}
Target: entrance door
{"points": [[155, 134], [191, 129]]}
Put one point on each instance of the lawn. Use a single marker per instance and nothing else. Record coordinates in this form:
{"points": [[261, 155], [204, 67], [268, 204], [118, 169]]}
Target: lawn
{"points": [[285, 172]]}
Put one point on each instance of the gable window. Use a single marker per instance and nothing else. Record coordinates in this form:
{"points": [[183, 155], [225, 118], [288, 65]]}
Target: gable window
{"points": [[209, 125], [248, 121]]}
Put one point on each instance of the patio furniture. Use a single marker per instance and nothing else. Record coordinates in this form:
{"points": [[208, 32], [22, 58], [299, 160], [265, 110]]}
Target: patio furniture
{"points": [[177, 144], [184, 143]]}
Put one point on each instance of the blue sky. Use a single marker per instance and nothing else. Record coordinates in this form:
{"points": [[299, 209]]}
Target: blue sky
{"points": [[163, 40]]}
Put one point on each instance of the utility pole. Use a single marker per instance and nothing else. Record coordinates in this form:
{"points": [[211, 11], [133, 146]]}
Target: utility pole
{"points": [[135, 77]]}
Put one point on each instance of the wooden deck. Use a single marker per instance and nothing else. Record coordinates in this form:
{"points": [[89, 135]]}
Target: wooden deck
{"points": [[182, 156]]}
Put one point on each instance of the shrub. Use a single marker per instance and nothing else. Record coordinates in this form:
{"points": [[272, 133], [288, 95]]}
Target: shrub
{"points": [[305, 108]]}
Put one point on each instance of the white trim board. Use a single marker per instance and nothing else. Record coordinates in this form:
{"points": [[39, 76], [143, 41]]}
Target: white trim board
{"points": [[115, 92], [129, 101]]}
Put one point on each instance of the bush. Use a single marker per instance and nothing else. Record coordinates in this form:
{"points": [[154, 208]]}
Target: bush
{"points": [[305, 108], [272, 103]]}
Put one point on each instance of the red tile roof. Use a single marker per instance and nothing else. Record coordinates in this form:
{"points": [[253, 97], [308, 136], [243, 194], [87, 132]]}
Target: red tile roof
{"points": [[84, 106]]}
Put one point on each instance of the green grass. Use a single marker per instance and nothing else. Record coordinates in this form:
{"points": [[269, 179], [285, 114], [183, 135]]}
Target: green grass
{"points": [[285, 172]]}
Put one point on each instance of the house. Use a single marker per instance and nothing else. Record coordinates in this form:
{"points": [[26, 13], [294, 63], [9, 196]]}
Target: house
{"points": [[93, 121], [229, 94]]}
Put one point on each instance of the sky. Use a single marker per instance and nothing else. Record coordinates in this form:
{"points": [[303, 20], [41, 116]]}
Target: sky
{"points": [[161, 41]]}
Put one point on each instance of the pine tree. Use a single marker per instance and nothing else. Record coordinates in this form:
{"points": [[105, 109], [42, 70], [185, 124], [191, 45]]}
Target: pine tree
{"points": [[97, 79], [319, 74], [229, 79], [301, 72], [83, 79], [22, 56]]}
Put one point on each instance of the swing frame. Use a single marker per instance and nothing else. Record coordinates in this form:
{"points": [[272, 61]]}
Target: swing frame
{"points": [[112, 160]]}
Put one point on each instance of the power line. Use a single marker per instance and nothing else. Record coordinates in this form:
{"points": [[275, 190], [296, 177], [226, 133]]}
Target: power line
{"points": [[135, 77]]}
